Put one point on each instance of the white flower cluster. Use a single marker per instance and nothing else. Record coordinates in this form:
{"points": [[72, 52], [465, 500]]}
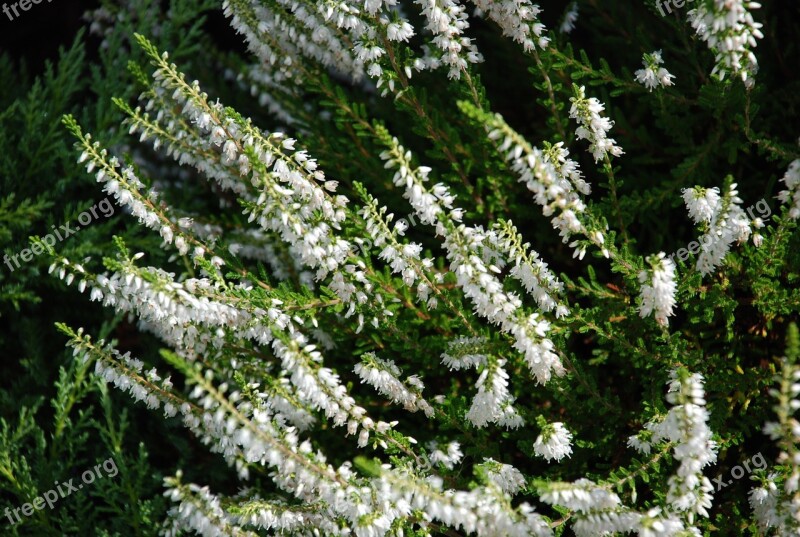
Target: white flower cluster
{"points": [[476, 278], [349, 38], [724, 220], [791, 179], [384, 375], [504, 476], [200, 510], [643, 440], [731, 33], [770, 511], [465, 353], [686, 427], [658, 288], [494, 403], [122, 183], [148, 387], [653, 75], [570, 18], [323, 389], [188, 143], [776, 507], [483, 511], [592, 126], [256, 380], [702, 203], [447, 21], [540, 282], [404, 258], [292, 197], [288, 194], [554, 179], [276, 515], [554, 442], [599, 511], [299, 471], [556, 193], [190, 315], [295, 199], [582, 495], [518, 19], [244, 432], [128, 375], [295, 30], [448, 458], [500, 307], [205, 513]]}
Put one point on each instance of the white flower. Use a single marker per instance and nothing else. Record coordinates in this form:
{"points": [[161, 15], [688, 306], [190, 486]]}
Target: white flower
{"points": [[505, 476], [702, 203], [401, 31], [653, 524], [724, 220], [686, 426], [384, 376], [286, 30], [570, 18], [465, 352], [776, 507], [791, 196], [593, 127], [554, 442], [447, 21], [658, 288], [652, 75], [229, 150], [494, 403], [731, 33], [448, 458], [765, 504], [641, 442], [518, 19]]}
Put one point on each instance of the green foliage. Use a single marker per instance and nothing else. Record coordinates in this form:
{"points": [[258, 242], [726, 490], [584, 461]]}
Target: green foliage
{"points": [[57, 419]]}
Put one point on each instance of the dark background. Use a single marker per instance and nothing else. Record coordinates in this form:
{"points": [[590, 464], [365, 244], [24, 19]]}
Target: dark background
{"points": [[36, 35]]}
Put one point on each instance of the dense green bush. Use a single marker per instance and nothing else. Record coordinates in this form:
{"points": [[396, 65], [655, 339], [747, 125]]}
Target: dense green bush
{"points": [[56, 419], [427, 268]]}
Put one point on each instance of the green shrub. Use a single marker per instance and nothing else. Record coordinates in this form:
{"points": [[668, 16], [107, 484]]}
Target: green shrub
{"points": [[426, 267]]}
